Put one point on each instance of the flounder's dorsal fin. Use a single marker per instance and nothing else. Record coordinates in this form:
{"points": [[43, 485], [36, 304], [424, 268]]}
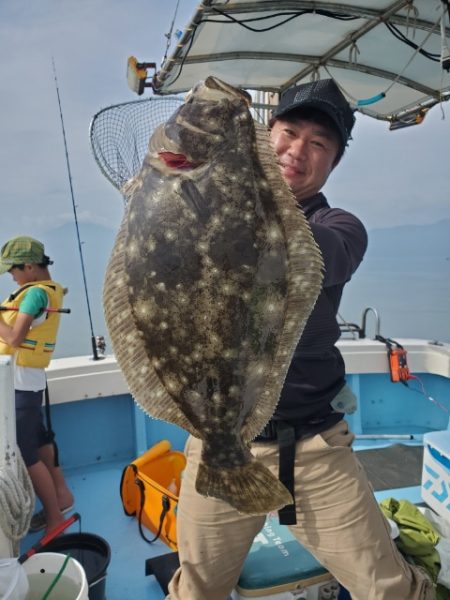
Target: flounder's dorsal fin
{"points": [[305, 282], [128, 346]]}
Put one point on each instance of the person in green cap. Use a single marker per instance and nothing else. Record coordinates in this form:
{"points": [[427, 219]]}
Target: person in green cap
{"points": [[29, 324]]}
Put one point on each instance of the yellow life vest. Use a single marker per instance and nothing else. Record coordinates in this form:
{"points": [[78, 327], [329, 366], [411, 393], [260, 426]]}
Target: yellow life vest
{"points": [[37, 348]]}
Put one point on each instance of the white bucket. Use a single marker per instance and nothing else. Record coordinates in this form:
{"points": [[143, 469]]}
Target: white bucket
{"points": [[43, 567], [13, 580]]}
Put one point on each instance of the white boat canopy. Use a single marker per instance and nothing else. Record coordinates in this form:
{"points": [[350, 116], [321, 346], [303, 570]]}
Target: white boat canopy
{"points": [[390, 58]]}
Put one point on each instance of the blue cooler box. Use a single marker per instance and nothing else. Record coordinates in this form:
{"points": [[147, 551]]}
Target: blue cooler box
{"points": [[278, 567], [435, 489]]}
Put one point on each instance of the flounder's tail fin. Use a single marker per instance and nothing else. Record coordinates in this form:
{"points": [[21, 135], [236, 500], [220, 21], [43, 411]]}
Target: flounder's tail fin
{"points": [[250, 488]]}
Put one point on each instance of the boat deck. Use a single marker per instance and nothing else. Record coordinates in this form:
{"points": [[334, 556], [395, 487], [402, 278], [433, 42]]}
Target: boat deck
{"points": [[96, 489]]}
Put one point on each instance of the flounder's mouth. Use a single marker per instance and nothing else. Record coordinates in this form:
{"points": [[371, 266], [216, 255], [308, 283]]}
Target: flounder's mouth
{"points": [[177, 161]]}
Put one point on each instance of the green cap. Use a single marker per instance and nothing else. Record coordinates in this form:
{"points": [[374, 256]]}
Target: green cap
{"points": [[19, 251]]}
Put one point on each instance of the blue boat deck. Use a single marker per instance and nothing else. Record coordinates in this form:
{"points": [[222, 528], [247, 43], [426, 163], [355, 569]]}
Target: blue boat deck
{"points": [[99, 436], [96, 489]]}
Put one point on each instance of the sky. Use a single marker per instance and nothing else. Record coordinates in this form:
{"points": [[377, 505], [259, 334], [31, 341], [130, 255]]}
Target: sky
{"points": [[386, 178]]}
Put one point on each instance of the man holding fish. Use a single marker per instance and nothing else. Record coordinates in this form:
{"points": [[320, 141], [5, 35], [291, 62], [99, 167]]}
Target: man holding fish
{"points": [[306, 443]]}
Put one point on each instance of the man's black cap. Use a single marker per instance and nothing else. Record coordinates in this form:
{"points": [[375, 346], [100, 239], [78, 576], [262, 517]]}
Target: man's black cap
{"points": [[323, 95]]}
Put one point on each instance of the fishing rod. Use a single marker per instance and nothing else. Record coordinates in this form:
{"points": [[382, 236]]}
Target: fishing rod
{"points": [[93, 338], [49, 310]]}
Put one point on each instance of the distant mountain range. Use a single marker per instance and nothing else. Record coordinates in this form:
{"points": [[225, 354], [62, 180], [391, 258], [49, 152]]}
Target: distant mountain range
{"points": [[414, 241]]}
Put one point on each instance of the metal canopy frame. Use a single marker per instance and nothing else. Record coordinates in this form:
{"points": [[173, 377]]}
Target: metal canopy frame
{"points": [[352, 42]]}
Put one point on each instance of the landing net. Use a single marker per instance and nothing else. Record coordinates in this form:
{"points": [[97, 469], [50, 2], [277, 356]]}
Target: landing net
{"points": [[119, 135]]}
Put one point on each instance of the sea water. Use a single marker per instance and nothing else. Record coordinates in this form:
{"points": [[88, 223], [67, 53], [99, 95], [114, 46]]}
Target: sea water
{"points": [[65, 589], [411, 295]]}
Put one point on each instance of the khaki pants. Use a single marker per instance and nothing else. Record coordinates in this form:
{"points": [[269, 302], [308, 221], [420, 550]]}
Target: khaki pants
{"points": [[338, 520]]}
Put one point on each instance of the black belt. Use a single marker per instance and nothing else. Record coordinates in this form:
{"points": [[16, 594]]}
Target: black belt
{"points": [[286, 434], [270, 431], [286, 459]]}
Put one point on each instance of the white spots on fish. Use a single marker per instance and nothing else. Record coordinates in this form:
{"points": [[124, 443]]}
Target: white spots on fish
{"points": [[217, 398], [247, 268], [207, 261], [170, 235], [129, 338], [172, 384], [119, 281], [248, 216], [202, 247], [182, 299], [223, 189], [222, 457], [173, 351], [297, 279], [163, 326], [144, 309], [259, 369], [229, 354], [196, 356], [233, 391], [227, 289], [133, 249], [241, 117], [156, 363], [150, 244], [274, 234], [161, 286], [290, 325], [214, 339], [148, 203]]}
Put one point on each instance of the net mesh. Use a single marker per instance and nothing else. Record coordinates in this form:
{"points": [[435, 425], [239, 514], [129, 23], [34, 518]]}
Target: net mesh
{"points": [[119, 135]]}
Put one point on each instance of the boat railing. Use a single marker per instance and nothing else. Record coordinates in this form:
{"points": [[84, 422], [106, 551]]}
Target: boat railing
{"points": [[359, 331]]}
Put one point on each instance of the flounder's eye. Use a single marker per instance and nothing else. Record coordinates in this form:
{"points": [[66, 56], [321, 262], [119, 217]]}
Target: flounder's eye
{"points": [[177, 161]]}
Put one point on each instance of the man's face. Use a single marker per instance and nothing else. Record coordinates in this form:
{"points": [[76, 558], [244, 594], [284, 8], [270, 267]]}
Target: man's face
{"points": [[306, 152]]}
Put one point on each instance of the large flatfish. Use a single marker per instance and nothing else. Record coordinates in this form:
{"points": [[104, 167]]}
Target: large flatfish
{"points": [[212, 277]]}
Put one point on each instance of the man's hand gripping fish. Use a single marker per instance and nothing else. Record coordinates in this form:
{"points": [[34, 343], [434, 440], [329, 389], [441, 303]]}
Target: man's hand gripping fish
{"points": [[211, 280]]}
